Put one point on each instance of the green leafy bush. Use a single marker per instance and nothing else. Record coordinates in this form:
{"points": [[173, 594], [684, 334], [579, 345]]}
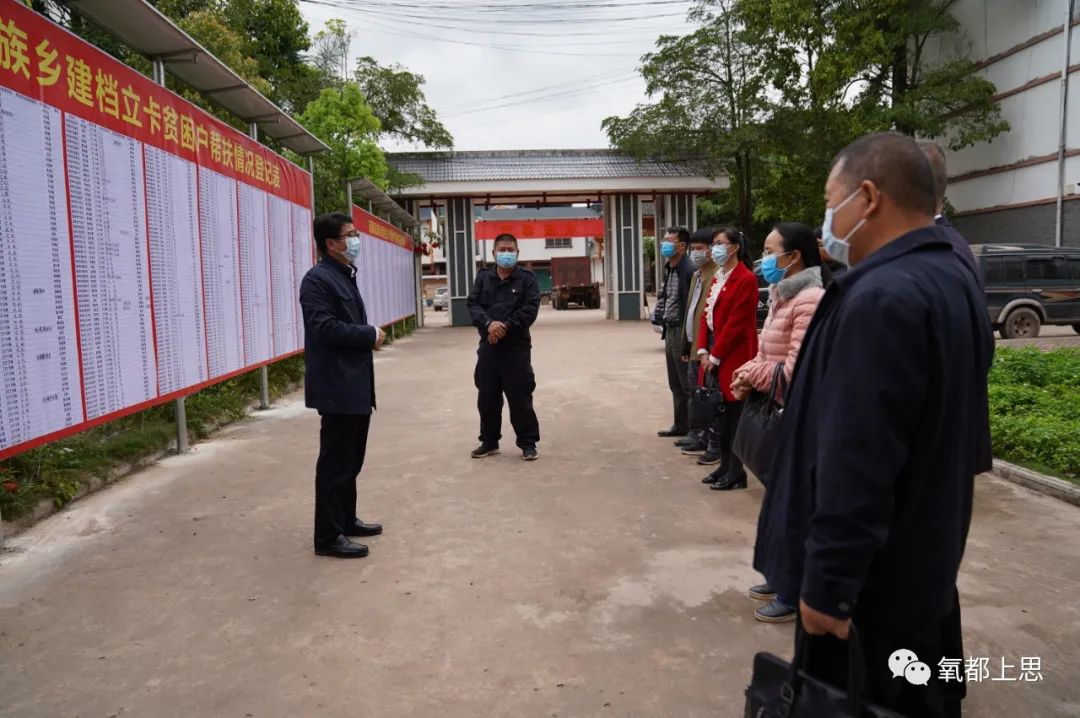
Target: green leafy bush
{"points": [[1035, 409], [60, 469]]}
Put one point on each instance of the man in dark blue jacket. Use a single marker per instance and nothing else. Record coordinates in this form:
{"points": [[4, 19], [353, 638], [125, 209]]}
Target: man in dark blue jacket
{"points": [[869, 499], [340, 382], [504, 302], [936, 156]]}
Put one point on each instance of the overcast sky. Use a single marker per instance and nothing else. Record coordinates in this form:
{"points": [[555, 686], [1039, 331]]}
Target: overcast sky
{"points": [[492, 98]]}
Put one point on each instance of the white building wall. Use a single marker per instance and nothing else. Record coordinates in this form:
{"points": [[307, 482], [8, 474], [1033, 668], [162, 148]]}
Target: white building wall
{"points": [[988, 28], [534, 250]]}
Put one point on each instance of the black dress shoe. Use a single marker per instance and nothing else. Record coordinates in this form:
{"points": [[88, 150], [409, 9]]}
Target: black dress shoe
{"points": [[729, 482], [359, 528], [672, 432], [342, 548]]}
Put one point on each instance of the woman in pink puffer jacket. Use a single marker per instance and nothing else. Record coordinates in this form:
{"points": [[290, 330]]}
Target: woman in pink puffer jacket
{"points": [[793, 266]]}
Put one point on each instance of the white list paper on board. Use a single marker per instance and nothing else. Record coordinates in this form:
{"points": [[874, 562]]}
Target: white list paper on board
{"points": [[40, 391], [112, 281]]}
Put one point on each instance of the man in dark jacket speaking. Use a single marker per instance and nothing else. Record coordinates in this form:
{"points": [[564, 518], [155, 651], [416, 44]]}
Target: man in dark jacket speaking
{"points": [[884, 429], [340, 382], [504, 302]]}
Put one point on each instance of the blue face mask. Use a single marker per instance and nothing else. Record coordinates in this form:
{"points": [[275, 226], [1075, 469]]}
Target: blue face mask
{"points": [[352, 248], [667, 250], [719, 253], [769, 270], [506, 260], [838, 247]]}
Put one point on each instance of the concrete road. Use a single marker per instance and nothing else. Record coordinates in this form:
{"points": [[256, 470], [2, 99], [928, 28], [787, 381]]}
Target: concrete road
{"points": [[603, 580]]}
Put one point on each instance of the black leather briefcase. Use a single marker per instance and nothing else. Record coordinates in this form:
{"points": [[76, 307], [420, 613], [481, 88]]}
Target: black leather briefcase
{"points": [[779, 689]]}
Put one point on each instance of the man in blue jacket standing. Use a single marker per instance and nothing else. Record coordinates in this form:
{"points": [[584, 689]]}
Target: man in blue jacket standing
{"points": [[884, 430], [339, 381]]}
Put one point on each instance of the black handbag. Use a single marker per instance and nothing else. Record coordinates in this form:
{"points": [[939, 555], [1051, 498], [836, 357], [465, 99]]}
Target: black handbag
{"points": [[705, 403], [756, 438], [779, 689]]}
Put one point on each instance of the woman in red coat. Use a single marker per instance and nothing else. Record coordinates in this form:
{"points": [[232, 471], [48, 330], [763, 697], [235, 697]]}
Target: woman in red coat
{"points": [[727, 339]]}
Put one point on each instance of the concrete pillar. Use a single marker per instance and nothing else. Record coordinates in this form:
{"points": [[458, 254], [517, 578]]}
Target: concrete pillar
{"points": [[683, 211], [622, 217], [412, 207], [460, 257]]}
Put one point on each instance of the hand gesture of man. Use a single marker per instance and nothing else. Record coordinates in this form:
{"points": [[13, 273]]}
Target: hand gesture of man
{"points": [[496, 332]]}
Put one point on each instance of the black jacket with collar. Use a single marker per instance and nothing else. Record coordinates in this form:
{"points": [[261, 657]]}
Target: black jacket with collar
{"points": [[338, 341], [685, 269], [962, 248], [515, 301], [884, 429]]}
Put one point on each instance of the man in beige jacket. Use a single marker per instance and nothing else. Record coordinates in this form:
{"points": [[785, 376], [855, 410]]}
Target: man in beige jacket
{"points": [[700, 242]]}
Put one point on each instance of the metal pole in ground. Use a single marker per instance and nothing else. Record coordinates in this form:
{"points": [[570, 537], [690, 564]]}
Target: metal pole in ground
{"points": [[264, 371], [181, 427], [181, 408]]}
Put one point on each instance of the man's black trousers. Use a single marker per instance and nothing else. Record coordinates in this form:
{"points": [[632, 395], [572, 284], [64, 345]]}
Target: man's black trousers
{"points": [[342, 446], [506, 370], [678, 381]]}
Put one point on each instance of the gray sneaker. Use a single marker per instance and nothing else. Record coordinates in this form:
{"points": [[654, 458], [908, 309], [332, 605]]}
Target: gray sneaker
{"points": [[762, 592], [775, 612]]}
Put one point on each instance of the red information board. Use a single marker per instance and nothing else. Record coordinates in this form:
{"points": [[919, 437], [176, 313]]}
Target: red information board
{"points": [[385, 270], [147, 249]]}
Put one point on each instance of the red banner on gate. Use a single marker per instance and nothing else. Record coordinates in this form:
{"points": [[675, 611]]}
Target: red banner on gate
{"points": [[540, 228]]}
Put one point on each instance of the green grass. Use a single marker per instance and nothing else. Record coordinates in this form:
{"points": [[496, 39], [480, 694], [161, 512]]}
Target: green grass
{"points": [[1035, 409], [397, 330], [58, 470]]}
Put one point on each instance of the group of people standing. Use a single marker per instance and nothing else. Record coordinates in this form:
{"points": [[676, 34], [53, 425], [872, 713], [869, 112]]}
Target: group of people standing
{"points": [[881, 370], [878, 350], [712, 342]]}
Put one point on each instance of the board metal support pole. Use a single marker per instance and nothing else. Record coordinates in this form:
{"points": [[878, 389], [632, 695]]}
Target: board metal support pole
{"points": [[264, 370], [182, 445]]}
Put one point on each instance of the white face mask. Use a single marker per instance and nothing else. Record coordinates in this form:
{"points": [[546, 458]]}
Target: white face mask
{"points": [[839, 248]]}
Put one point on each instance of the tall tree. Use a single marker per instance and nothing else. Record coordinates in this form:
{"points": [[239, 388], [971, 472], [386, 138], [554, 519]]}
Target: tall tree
{"points": [[276, 35], [330, 51], [345, 122], [840, 69], [917, 95], [708, 98], [818, 74], [396, 95]]}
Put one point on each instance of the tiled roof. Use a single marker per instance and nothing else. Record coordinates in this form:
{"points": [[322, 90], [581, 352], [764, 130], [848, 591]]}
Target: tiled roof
{"points": [[535, 164]]}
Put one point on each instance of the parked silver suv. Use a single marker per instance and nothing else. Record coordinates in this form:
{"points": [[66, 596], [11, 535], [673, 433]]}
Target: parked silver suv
{"points": [[442, 299]]}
